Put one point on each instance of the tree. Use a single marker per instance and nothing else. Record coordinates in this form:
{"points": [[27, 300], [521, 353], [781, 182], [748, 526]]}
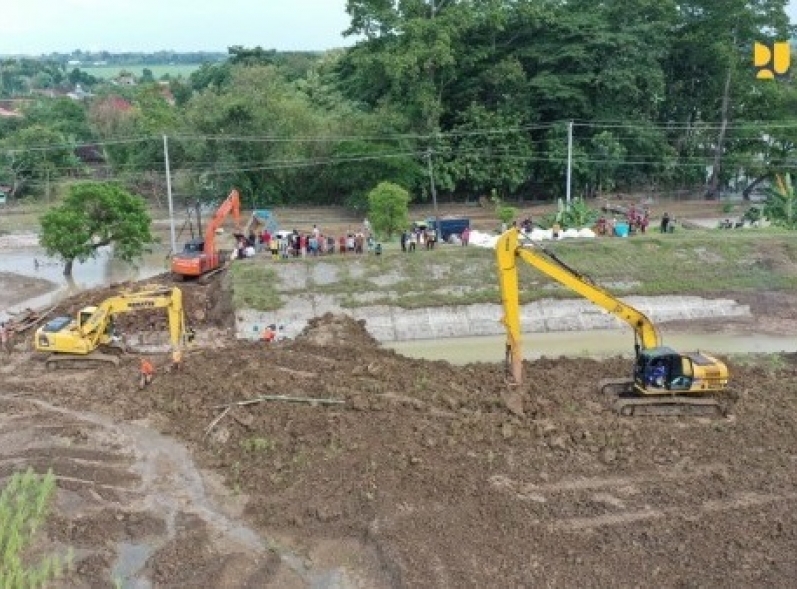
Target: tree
{"points": [[607, 154], [388, 208], [147, 77], [94, 215], [35, 155], [781, 205]]}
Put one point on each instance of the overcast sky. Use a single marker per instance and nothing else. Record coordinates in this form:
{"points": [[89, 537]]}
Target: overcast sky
{"points": [[41, 26]]}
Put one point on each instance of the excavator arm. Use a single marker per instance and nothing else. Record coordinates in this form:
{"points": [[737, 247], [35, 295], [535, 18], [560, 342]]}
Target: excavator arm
{"points": [[232, 204], [508, 250], [155, 298]]}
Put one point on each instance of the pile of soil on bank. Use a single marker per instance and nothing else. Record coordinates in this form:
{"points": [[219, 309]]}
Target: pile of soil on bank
{"points": [[425, 466], [205, 305]]}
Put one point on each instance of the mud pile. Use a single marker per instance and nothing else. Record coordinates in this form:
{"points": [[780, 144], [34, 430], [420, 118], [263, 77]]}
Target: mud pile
{"points": [[205, 305], [423, 472]]}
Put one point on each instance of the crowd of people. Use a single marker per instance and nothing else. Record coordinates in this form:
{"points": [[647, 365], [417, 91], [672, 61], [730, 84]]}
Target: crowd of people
{"points": [[283, 245], [637, 221], [418, 237]]}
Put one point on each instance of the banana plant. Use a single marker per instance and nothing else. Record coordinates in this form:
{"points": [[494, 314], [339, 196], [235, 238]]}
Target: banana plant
{"points": [[781, 204]]}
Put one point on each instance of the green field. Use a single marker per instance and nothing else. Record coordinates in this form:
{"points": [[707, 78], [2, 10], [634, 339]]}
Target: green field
{"points": [[111, 71], [690, 263]]}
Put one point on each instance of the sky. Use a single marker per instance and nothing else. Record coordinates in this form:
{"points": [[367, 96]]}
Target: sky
{"points": [[42, 26]]}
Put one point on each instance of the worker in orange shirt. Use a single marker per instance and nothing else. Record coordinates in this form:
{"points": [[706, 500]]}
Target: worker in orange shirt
{"points": [[147, 373]]}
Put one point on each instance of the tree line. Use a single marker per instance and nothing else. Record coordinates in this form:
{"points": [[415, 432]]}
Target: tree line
{"points": [[481, 94]]}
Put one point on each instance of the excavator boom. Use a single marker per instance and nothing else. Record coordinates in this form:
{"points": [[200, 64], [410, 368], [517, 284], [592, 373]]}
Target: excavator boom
{"points": [[232, 204]]}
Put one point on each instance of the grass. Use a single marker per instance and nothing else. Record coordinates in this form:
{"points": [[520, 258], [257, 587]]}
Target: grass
{"points": [[690, 262], [255, 287], [24, 506], [106, 72]]}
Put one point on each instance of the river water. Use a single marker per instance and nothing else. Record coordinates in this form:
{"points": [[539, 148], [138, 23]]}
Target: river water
{"points": [[100, 271], [595, 344]]}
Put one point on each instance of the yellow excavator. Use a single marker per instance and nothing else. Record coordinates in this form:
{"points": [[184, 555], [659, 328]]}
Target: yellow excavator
{"points": [[90, 339], [663, 381]]}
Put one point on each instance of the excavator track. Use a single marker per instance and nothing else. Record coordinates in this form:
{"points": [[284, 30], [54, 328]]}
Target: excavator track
{"points": [[93, 360], [616, 386], [628, 404], [669, 406]]}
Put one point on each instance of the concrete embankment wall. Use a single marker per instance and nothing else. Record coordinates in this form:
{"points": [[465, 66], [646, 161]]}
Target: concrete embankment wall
{"points": [[390, 323]]}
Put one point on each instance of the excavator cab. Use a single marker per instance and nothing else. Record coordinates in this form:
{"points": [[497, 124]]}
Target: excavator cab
{"points": [[194, 247], [662, 369]]}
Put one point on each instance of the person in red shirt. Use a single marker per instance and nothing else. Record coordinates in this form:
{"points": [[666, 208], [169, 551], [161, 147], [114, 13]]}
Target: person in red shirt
{"points": [[269, 334]]}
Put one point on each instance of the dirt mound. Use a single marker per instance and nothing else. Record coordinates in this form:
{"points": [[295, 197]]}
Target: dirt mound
{"points": [[205, 305], [336, 330]]}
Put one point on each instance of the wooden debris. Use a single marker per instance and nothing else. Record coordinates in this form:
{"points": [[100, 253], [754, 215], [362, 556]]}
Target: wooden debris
{"points": [[28, 318], [217, 420], [285, 398]]}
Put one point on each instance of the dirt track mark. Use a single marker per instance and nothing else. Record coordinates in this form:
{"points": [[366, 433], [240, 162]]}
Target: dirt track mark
{"points": [[587, 484], [740, 501]]}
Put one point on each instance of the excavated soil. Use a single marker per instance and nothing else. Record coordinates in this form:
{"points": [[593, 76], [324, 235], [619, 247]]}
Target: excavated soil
{"points": [[422, 474]]}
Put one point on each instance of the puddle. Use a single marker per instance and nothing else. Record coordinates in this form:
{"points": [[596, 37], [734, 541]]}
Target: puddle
{"points": [[129, 564]]}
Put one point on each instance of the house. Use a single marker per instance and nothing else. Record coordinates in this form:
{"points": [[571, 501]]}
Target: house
{"points": [[124, 79], [79, 94]]}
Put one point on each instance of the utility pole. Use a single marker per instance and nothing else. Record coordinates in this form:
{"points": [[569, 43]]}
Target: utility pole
{"points": [[434, 194], [569, 159], [169, 193]]}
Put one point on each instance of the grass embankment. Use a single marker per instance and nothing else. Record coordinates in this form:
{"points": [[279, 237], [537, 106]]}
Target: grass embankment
{"points": [[689, 263]]}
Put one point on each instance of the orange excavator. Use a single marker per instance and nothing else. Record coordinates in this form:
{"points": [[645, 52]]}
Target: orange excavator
{"points": [[200, 256]]}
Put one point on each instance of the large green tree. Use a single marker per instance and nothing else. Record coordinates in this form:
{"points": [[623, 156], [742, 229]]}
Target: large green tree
{"points": [[388, 208], [95, 215]]}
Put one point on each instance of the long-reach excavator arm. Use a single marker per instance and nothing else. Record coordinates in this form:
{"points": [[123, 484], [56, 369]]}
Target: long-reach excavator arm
{"points": [[508, 250], [76, 341], [658, 370]]}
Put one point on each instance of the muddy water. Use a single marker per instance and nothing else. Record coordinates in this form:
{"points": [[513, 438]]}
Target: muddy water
{"points": [[99, 271], [596, 344]]}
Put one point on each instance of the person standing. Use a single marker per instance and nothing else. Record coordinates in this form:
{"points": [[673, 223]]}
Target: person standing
{"points": [[5, 338], [465, 236], [665, 222], [147, 373]]}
